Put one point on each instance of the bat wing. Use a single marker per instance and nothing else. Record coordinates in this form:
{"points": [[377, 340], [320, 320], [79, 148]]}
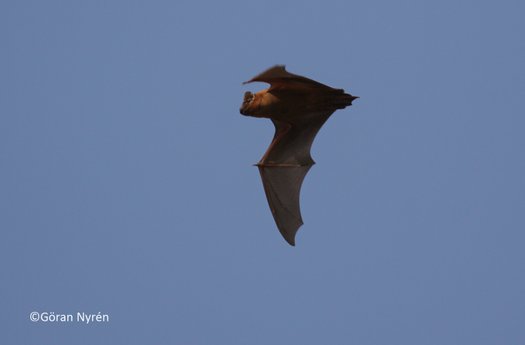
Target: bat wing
{"points": [[284, 167], [279, 77]]}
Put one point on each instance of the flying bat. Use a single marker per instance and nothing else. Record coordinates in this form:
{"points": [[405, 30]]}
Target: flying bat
{"points": [[298, 108]]}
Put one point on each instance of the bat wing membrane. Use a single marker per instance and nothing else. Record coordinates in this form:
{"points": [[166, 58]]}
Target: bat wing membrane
{"points": [[283, 169]]}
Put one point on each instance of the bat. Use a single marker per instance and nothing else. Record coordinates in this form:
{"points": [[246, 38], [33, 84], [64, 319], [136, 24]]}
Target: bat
{"points": [[298, 108]]}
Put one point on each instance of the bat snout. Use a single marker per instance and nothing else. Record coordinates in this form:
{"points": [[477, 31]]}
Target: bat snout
{"points": [[246, 110]]}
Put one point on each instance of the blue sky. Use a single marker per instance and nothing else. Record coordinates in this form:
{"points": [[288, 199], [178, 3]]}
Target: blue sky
{"points": [[127, 184]]}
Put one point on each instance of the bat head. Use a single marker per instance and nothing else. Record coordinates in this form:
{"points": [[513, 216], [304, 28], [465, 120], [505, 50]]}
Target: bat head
{"points": [[248, 99]]}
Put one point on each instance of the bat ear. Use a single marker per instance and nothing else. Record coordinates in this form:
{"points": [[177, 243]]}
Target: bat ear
{"points": [[248, 96]]}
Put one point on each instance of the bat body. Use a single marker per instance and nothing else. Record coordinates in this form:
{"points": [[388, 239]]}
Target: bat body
{"points": [[298, 108]]}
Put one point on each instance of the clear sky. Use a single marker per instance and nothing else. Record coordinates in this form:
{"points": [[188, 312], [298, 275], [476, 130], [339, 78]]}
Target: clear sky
{"points": [[127, 185]]}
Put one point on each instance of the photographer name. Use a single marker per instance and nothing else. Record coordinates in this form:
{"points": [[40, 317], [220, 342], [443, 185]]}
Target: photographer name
{"points": [[79, 317]]}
